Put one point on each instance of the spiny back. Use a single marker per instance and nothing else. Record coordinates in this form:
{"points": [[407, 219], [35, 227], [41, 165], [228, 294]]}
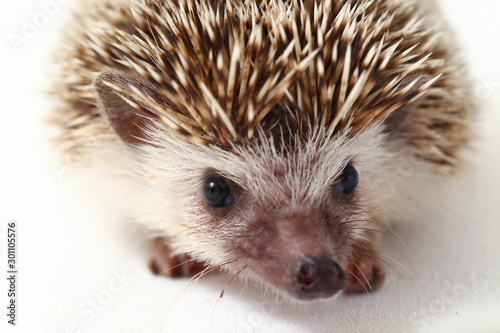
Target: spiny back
{"points": [[218, 70]]}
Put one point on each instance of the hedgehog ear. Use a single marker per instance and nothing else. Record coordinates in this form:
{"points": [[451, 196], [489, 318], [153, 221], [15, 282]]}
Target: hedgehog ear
{"points": [[127, 121]]}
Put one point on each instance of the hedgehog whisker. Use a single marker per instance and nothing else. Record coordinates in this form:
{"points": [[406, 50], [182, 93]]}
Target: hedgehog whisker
{"points": [[174, 267], [364, 276], [369, 229], [357, 278], [223, 290], [400, 265], [390, 230], [372, 254], [194, 279]]}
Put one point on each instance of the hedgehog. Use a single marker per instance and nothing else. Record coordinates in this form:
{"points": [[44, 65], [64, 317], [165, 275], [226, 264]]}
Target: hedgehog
{"points": [[263, 138]]}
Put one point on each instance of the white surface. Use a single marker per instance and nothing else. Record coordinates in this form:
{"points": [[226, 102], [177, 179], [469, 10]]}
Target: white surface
{"points": [[71, 250]]}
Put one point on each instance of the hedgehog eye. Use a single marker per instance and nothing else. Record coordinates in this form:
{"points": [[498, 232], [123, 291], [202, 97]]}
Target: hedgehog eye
{"points": [[348, 180], [217, 192]]}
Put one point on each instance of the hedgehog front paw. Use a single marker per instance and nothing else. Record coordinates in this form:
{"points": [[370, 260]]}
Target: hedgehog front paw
{"points": [[364, 274], [164, 263]]}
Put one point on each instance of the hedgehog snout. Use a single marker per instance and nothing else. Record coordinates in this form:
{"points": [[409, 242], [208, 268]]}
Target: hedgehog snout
{"points": [[318, 278]]}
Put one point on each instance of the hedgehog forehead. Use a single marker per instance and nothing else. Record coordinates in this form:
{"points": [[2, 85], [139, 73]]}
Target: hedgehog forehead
{"points": [[270, 176], [299, 175], [302, 175]]}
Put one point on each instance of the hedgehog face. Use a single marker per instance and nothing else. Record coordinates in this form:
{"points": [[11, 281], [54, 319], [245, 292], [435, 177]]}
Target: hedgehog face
{"points": [[291, 218]]}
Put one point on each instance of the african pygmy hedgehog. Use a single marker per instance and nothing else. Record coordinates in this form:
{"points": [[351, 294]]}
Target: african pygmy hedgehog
{"points": [[261, 137]]}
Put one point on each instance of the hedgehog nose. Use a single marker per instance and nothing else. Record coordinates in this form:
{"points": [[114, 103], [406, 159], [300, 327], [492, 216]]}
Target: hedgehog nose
{"points": [[318, 278]]}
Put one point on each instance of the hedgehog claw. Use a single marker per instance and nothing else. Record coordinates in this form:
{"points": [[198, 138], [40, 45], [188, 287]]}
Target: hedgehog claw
{"points": [[162, 261], [364, 274]]}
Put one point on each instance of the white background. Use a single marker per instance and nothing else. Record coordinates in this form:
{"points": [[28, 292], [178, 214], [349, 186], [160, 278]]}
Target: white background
{"points": [[71, 250]]}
